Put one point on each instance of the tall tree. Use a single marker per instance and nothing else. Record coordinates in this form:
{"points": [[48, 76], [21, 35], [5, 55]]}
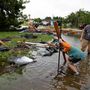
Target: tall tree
{"points": [[10, 11], [79, 17], [38, 20]]}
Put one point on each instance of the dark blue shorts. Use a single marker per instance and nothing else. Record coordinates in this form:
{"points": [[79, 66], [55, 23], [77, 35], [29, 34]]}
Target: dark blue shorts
{"points": [[74, 60]]}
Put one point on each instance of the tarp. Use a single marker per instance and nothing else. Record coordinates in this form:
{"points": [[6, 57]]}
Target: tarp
{"points": [[22, 60]]}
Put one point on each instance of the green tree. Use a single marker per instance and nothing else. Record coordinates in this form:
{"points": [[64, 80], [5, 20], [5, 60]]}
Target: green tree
{"points": [[72, 19], [38, 20], [10, 11], [47, 18], [77, 18]]}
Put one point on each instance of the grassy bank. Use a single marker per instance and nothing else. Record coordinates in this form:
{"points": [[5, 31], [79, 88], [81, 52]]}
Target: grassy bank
{"points": [[14, 38]]}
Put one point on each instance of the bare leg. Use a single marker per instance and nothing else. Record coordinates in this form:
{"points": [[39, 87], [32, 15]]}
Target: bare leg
{"points": [[84, 45], [73, 68], [88, 47]]}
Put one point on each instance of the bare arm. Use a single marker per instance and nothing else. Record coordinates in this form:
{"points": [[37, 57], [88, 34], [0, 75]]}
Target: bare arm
{"points": [[52, 45], [82, 34]]}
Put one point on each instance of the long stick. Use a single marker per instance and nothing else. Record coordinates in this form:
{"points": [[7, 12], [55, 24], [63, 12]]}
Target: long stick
{"points": [[58, 32], [58, 35]]}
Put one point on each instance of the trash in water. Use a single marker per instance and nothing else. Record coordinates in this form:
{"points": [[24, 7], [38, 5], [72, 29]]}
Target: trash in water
{"points": [[37, 44], [22, 60], [43, 49], [4, 49]]}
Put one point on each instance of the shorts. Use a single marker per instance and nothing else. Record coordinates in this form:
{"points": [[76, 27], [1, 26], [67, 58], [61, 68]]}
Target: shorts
{"points": [[75, 60]]}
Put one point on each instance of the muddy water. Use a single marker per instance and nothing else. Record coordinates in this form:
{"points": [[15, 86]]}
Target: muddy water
{"points": [[41, 75]]}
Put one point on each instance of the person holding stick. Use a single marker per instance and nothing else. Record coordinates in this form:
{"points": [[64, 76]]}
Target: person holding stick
{"points": [[74, 55]]}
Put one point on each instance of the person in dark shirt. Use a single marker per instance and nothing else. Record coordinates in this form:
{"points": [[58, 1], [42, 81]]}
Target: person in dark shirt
{"points": [[85, 39]]}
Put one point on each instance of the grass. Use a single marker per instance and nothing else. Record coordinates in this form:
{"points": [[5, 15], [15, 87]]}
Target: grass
{"points": [[43, 37], [15, 37]]}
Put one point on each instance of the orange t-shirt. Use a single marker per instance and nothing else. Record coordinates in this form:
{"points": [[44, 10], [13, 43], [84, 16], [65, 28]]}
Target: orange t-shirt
{"points": [[66, 46]]}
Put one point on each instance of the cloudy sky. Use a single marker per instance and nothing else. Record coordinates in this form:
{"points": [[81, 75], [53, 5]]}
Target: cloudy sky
{"points": [[43, 8]]}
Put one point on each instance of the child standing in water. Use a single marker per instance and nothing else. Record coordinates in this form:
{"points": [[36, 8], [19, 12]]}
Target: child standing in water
{"points": [[75, 55]]}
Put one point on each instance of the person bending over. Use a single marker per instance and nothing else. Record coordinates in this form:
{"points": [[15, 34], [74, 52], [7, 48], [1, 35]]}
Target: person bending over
{"points": [[74, 55]]}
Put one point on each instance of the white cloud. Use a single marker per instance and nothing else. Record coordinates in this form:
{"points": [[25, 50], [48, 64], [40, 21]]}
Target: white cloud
{"points": [[43, 8]]}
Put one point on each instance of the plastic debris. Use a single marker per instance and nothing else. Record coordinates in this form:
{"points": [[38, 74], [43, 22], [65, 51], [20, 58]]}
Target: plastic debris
{"points": [[2, 49], [22, 60]]}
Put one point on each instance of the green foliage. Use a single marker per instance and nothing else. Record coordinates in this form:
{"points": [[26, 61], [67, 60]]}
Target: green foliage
{"points": [[77, 18], [15, 37], [38, 20], [10, 11], [47, 18]]}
